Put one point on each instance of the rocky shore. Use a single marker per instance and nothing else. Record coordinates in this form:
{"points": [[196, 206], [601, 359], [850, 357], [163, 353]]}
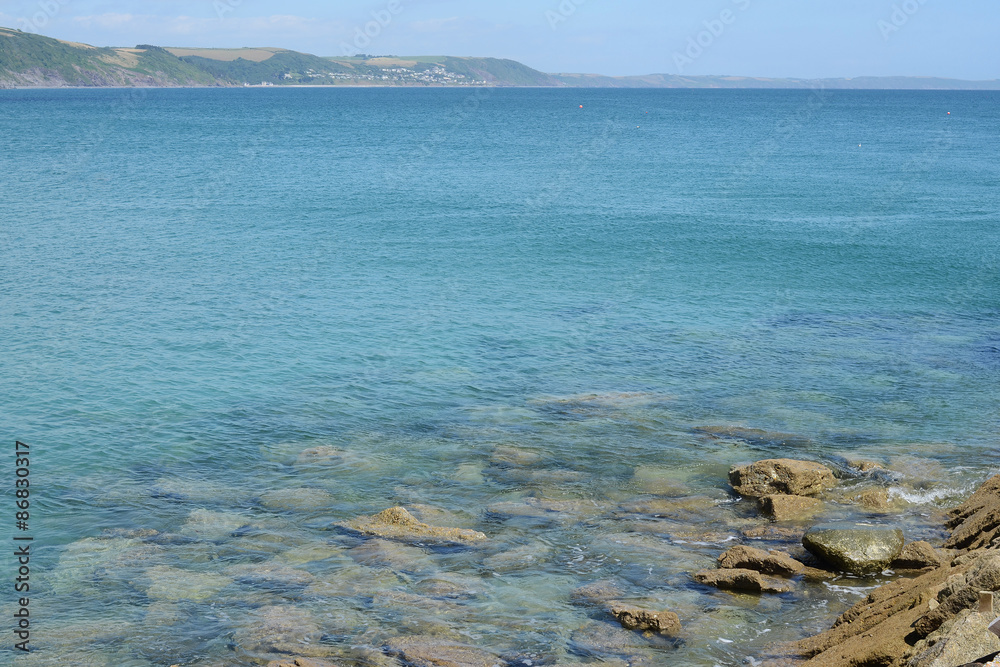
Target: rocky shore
{"points": [[935, 612]]}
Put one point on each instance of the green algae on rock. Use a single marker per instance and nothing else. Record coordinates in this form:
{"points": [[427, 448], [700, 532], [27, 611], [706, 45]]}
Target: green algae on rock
{"points": [[854, 548]]}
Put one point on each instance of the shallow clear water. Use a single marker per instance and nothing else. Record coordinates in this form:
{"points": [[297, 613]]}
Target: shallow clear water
{"points": [[201, 285]]}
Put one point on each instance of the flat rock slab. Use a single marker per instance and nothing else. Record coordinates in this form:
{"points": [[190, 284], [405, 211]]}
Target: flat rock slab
{"points": [[917, 556], [747, 581], [397, 524], [300, 662], [976, 522], [781, 476], [788, 508], [854, 548], [643, 620], [434, 652], [749, 558]]}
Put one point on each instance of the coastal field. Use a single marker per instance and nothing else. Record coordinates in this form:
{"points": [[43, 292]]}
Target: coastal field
{"points": [[239, 323]]}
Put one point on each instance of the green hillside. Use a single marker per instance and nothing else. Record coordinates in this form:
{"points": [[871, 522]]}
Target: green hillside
{"points": [[29, 60], [33, 60]]}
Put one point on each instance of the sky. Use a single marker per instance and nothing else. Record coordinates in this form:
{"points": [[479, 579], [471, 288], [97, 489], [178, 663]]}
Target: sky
{"points": [[772, 38]]}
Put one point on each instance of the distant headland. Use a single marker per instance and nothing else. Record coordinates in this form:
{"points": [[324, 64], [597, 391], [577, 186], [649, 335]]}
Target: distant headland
{"points": [[28, 60]]}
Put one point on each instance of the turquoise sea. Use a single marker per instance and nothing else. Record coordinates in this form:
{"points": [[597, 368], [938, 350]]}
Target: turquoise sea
{"points": [[230, 319]]}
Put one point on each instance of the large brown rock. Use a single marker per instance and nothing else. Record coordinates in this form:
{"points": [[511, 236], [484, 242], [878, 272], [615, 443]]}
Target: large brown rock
{"points": [[976, 522], [788, 508], [396, 523], [781, 476], [917, 556], [747, 581], [636, 618], [749, 558], [853, 548]]}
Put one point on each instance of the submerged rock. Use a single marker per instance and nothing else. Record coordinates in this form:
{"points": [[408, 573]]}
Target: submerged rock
{"points": [[781, 476], [597, 593], [519, 558], [788, 508], [213, 526], [753, 436], [300, 662], [172, 584], [280, 629], [748, 558], [744, 580], [643, 620], [397, 524], [427, 651], [852, 548], [296, 499]]}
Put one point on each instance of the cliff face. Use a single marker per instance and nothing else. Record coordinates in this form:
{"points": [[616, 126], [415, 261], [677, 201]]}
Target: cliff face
{"points": [[928, 621]]}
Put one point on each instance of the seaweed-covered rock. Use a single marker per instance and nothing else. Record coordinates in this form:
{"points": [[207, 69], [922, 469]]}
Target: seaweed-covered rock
{"points": [[396, 523], [852, 548], [781, 476]]}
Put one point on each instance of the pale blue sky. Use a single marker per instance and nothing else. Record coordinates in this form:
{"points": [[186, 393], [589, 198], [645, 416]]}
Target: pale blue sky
{"points": [[783, 38]]}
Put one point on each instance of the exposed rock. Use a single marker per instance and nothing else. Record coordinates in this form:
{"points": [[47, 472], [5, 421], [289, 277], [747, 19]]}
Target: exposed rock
{"points": [[597, 593], [781, 476], [857, 549], [964, 640], [917, 556], [976, 522], [636, 618], [428, 651], [398, 524], [788, 508], [748, 558], [774, 533], [873, 499], [962, 592], [748, 581], [864, 466]]}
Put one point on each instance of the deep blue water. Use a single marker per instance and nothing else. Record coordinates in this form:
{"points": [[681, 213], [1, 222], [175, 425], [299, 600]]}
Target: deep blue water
{"points": [[197, 285]]}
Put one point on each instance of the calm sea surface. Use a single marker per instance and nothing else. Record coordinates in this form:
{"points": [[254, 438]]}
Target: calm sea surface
{"points": [[232, 318]]}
